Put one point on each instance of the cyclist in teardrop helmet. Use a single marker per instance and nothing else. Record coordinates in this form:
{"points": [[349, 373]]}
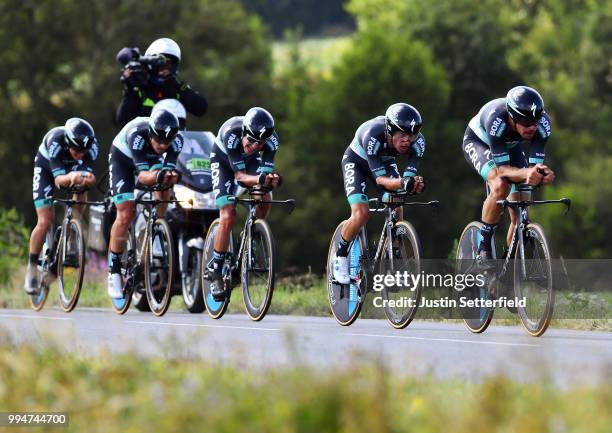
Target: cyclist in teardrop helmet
{"points": [[146, 149], [493, 145], [243, 154], [64, 159], [160, 81], [372, 155]]}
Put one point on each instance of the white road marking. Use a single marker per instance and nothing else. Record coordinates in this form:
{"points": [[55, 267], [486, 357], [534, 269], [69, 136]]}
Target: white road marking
{"points": [[453, 340], [198, 325]]}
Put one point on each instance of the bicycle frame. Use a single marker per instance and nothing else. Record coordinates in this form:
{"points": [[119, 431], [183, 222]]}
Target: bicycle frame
{"points": [[391, 219], [245, 234], [518, 242], [60, 233], [150, 214]]}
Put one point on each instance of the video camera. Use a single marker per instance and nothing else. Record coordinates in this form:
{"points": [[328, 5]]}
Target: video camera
{"points": [[140, 66]]}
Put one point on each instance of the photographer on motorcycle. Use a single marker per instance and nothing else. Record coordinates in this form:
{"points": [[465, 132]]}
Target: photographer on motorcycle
{"points": [[151, 78]]}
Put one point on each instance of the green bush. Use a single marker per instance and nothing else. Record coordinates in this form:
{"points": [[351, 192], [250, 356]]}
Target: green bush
{"points": [[13, 243]]}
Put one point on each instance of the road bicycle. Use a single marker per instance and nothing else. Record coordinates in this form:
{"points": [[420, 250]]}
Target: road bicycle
{"points": [[63, 256], [527, 266], [147, 263], [398, 250], [254, 259]]}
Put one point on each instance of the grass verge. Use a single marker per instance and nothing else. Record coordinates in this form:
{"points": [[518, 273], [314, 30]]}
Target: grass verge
{"points": [[110, 393]]}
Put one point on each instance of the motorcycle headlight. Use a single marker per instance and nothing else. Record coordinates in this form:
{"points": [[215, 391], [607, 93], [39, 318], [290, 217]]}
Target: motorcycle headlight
{"points": [[185, 196]]}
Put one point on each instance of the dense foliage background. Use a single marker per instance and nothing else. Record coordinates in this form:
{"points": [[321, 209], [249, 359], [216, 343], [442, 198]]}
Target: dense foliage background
{"points": [[446, 57]]}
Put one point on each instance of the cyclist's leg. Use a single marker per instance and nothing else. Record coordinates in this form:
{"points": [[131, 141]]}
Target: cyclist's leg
{"points": [[478, 154], [224, 187], [121, 178], [42, 190], [355, 173], [517, 159]]}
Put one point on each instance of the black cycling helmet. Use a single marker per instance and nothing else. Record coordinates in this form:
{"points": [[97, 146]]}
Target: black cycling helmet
{"points": [[79, 134], [258, 124], [524, 105], [403, 117], [163, 125]]}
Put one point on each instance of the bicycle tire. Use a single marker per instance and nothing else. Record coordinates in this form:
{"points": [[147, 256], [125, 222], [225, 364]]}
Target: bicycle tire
{"points": [[255, 309], [477, 321], [404, 319], [69, 302], [538, 326], [346, 309], [128, 274], [37, 301], [192, 291], [215, 309], [160, 301]]}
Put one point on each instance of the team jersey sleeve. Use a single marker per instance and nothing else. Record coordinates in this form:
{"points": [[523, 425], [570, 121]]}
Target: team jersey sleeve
{"points": [[373, 147], [173, 152], [90, 157], [136, 141], [268, 154], [54, 147], [231, 141], [537, 148], [495, 127], [417, 152]]}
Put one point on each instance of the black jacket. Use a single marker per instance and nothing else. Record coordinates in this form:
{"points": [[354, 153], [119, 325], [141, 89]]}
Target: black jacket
{"points": [[139, 101]]}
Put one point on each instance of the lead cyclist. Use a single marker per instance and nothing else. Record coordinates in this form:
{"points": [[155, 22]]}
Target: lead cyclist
{"points": [[493, 145]]}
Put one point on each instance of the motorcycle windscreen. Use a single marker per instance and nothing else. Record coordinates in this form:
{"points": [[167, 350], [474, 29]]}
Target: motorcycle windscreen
{"points": [[194, 160]]}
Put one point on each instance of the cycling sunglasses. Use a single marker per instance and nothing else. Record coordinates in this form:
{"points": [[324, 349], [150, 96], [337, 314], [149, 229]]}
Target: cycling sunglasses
{"points": [[527, 122], [254, 141]]}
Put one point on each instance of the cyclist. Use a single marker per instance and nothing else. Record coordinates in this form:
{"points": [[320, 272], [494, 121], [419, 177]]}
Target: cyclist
{"points": [[372, 155], [243, 154], [145, 149], [493, 144], [161, 81], [175, 107], [64, 160]]}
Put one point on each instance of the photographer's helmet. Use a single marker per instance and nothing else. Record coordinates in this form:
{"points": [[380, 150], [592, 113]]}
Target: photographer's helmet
{"points": [[163, 126], [403, 117], [525, 105], [175, 107], [166, 47], [258, 124], [79, 134]]}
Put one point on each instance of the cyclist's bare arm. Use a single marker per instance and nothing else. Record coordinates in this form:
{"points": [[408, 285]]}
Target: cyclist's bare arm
{"points": [[389, 183], [247, 179]]}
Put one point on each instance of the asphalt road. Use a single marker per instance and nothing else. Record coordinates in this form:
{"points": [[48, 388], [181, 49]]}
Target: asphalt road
{"points": [[563, 357]]}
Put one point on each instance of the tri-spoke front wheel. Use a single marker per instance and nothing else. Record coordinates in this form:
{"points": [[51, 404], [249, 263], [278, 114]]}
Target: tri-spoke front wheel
{"points": [[346, 300], [214, 308]]}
